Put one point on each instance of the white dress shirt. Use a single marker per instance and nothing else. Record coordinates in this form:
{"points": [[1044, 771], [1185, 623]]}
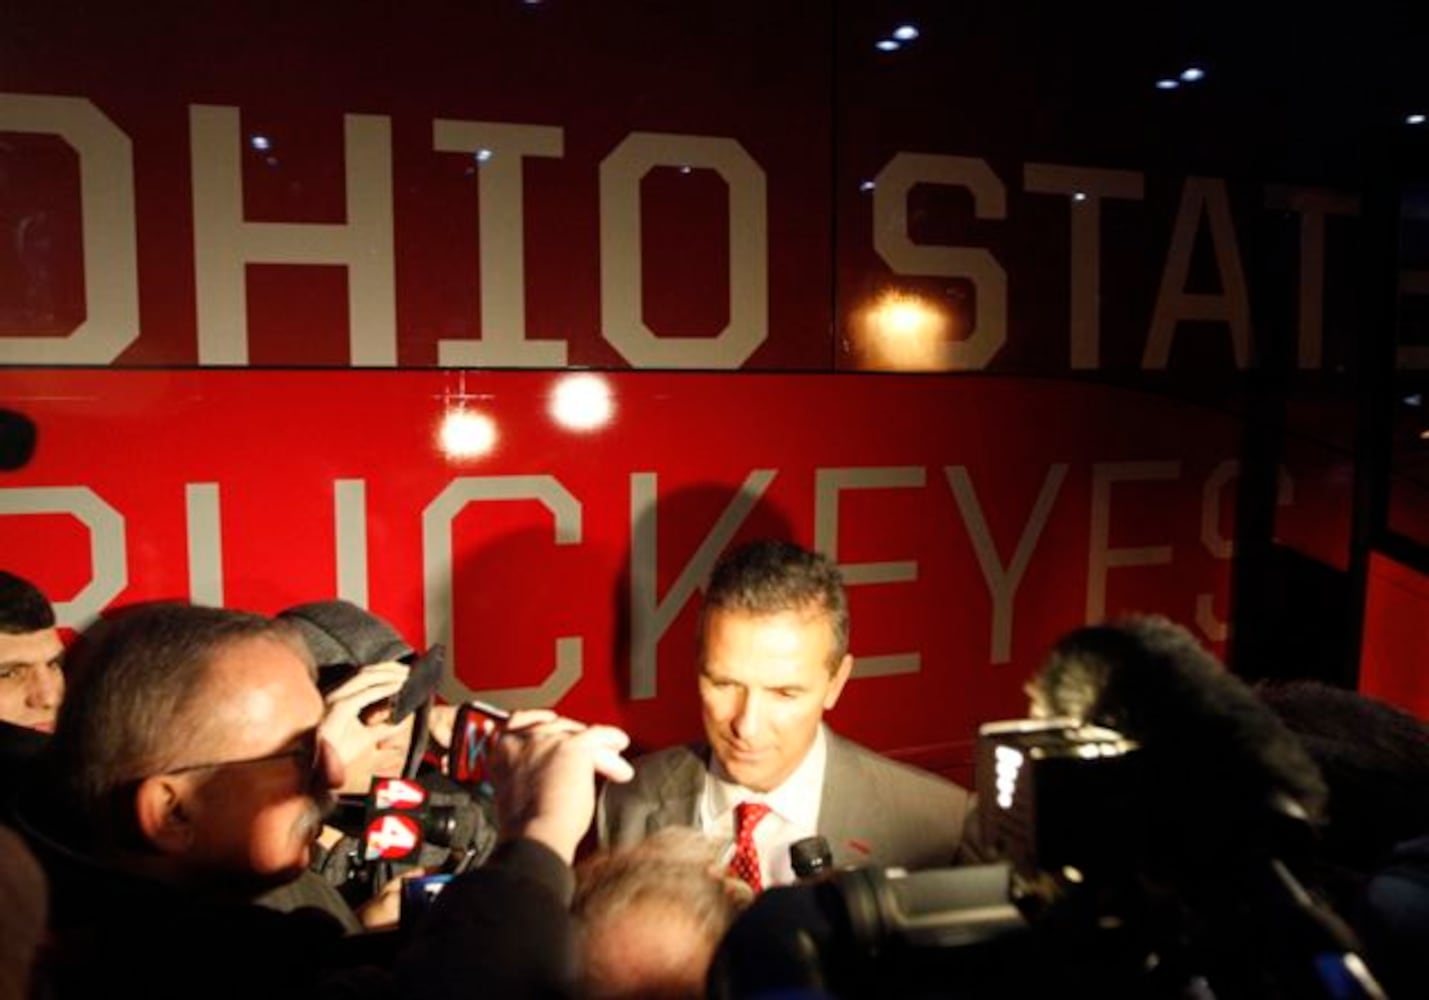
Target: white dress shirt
{"points": [[794, 811]]}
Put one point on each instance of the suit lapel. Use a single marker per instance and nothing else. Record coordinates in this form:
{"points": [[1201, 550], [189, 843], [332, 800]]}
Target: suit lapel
{"points": [[679, 794], [840, 821]]}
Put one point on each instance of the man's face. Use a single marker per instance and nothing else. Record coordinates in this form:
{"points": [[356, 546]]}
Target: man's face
{"points": [[255, 819], [764, 687], [32, 685]]}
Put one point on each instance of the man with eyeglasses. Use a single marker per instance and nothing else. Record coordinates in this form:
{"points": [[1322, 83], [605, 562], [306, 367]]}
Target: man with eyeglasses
{"points": [[188, 774]]}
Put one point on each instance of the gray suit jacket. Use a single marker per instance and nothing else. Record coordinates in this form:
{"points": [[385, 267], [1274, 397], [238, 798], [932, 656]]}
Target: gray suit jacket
{"points": [[874, 811]]}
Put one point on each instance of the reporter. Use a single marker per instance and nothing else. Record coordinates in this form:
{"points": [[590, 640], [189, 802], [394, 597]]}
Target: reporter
{"points": [[369, 675]]}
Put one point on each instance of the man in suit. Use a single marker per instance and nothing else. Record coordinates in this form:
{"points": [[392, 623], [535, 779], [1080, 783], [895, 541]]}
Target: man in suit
{"points": [[773, 657]]}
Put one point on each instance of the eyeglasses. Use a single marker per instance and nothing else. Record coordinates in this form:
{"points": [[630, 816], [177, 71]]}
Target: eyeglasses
{"points": [[307, 754]]}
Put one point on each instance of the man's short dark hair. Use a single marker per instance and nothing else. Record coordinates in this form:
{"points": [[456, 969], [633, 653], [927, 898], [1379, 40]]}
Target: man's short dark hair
{"points": [[770, 577], [23, 608], [136, 685]]}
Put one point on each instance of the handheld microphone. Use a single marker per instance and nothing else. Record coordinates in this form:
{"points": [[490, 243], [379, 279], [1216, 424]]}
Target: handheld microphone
{"points": [[811, 857], [475, 731], [397, 822]]}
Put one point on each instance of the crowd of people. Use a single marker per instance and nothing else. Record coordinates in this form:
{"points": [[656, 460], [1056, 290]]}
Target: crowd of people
{"points": [[188, 805]]}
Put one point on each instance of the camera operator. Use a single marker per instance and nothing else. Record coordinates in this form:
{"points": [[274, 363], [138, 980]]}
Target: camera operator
{"points": [[1151, 826], [368, 674], [189, 773]]}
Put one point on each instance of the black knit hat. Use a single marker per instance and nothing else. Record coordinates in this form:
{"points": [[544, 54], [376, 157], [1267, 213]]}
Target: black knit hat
{"points": [[340, 634], [343, 638]]}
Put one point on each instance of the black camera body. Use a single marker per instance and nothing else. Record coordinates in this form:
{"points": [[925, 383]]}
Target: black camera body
{"points": [[1088, 901]]}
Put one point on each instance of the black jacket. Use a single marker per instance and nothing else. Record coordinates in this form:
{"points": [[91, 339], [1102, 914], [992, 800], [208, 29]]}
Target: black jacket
{"points": [[504, 925]]}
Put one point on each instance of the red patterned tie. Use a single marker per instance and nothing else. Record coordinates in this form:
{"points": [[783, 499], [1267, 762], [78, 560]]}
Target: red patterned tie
{"points": [[745, 863]]}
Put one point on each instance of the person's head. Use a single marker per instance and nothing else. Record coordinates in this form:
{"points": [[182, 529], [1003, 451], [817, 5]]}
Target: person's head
{"points": [[651, 915], [353, 650], [32, 684], [1375, 760], [773, 657], [189, 745], [1224, 781]]}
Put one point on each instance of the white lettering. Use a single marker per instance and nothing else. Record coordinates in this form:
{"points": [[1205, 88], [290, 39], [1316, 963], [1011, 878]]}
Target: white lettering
{"points": [[622, 314], [205, 538], [650, 616], [1312, 205], [437, 521], [108, 552], [828, 484], [224, 243], [1086, 187], [1002, 583], [502, 150], [1217, 543], [111, 259], [1201, 196], [1102, 557], [349, 509], [894, 244]]}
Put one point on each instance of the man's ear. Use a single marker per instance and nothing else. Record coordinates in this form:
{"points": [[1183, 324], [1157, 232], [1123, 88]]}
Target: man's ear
{"points": [[836, 686], [160, 806]]}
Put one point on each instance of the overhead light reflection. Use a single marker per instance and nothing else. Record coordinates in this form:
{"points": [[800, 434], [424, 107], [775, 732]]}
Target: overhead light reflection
{"points": [[1415, 119], [582, 402], [482, 155], [466, 434], [887, 45], [865, 186], [261, 143], [1167, 84], [905, 32], [902, 332], [1192, 74]]}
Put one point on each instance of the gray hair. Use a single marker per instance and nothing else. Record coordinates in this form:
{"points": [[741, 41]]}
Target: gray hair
{"points": [[136, 686]]}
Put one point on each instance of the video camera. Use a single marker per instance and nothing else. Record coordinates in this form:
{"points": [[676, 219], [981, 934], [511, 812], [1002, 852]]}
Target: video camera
{"points": [[1069, 911], [876, 932]]}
